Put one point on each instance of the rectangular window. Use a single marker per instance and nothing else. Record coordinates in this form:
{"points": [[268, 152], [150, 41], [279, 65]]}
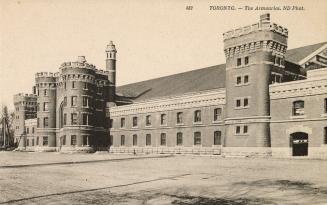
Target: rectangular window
{"points": [[73, 140], [325, 135], [74, 101], [298, 107], [245, 129], [179, 138], [74, 118], [65, 85], [163, 119], [148, 140], [37, 140], [27, 130], [134, 121], [45, 141], [238, 80], [32, 142], [325, 105], [179, 118], [111, 140], [197, 116], [246, 60], [163, 139], [245, 102], [65, 119], [85, 101], [33, 130], [148, 120], [217, 114], [46, 122], [27, 142], [85, 119], [45, 106], [73, 84], [45, 92], [111, 123], [238, 130], [86, 86], [246, 79], [134, 140], [63, 140], [239, 62], [85, 140], [238, 103], [197, 138], [122, 122]]}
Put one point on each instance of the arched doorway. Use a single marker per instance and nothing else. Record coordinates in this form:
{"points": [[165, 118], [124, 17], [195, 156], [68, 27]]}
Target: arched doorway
{"points": [[299, 143]]}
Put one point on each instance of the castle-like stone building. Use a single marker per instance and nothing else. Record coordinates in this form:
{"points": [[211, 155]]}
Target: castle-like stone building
{"points": [[266, 100]]}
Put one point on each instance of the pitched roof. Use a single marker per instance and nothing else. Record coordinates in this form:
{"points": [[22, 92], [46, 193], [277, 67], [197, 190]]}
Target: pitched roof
{"points": [[297, 54], [193, 81]]}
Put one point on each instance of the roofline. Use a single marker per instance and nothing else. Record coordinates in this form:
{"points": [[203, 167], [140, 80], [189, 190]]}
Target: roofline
{"points": [[304, 60]]}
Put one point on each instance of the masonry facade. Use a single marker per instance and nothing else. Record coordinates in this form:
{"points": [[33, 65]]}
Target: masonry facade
{"points": [[266, 100]]}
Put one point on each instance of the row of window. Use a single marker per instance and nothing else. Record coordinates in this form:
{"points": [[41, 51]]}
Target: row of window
{"points": [[242, 80], [298, 107], [242, 102], [179, 139], [45, 140], [163, 118], [86, 102]]}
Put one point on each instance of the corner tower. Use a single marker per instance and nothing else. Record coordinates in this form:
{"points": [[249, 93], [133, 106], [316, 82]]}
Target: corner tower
{"points": [[111, 68], [251, 54]]}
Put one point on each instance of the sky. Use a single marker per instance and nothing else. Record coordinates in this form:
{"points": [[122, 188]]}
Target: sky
{"points": [[154, 38]]}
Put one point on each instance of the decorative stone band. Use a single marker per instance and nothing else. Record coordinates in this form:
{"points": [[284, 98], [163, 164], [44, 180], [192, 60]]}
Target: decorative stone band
{"points": [[267, 26], [277, 48], [298, 88], [190, 100], [256, 63], [247, 120]]}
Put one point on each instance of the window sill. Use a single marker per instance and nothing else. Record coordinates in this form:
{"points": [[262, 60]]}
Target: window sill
{"points": [[148, 126], [180, 124], [217, 121], [240, 108], [242, 134], [298, 116], [197, 123], [135, 127], [243, 84], [165, 125]]}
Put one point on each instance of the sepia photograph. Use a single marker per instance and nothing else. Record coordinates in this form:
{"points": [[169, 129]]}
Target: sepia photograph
{"points": [[215, 102]]}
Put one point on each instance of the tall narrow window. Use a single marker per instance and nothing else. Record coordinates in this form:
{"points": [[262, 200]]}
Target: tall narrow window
{"points": [[148, 139], [45, 106], [238, 103], [45, 92], [111, 140], [246, 60], [179, 118], [122, 140], [85, 101], [246, 79], [134, 121], [27, 142], [122, 122], [163, 139], [73, 84], [197, 138], [46, 122], [45, 141], [74, 101], [134, 140], [217, 114], [238, 80], [85, 119], [217, 138], [179, 138], [197, 116], [239, 62], [163, 119], [238, 129], [32, 142], [298, 108], [86, 86], [148, 120], [74, 118], [325, 105], [73, 140], [37, 140], [325, 135], [111, 123], [245, 102], [85, 140], [245, 129], [65, 102], [65, 119], [63, 140]]}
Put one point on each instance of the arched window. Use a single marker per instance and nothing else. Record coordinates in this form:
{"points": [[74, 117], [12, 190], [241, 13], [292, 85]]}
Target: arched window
{"points": [[298, 107]]}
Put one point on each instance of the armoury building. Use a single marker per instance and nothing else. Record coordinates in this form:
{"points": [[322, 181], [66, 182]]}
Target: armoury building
{"points": [[266, 100]]}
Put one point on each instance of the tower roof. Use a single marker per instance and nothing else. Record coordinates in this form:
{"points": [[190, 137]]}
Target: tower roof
{"points": [[111, 47]]}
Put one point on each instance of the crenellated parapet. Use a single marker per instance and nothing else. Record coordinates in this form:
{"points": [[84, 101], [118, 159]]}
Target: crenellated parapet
{"points": [[24, 98], [46, 75], [275, 47], [266, 26]]}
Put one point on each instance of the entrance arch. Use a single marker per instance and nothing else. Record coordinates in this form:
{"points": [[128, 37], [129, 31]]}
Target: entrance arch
{"points": [[299, 142]]}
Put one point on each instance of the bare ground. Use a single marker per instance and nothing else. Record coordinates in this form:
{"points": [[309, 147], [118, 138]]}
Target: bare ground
{"points": [[52, 178]]}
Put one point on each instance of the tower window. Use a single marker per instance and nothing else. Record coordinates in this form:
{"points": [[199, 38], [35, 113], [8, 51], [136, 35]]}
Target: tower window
{"points": [[246, 60], [325, 135], [85, 119], [45, 141], [197, 116], [46, 122], [239, 62], [246, 102], [73, 140], [46, 106], [298, 108], [134, 140], [238, 103], [65, 119], [73, 84], [74, 118], [238, 80], [65, 101], [86, 86], [325, 105], [45, 92], [197, 138], [179, 117], [74, 101], [238, 130], [148, 139], [122, 140], [217, 138], [148, 120], [163, 139], [38, 122], [246, 79], [179, 138], [163, 119], [37, 140], [85, 101], [122, 122], [245, 129], [217, 114], [134, 121]]}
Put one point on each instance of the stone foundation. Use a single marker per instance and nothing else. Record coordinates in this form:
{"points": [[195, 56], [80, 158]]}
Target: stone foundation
{"points": [[247, 151]]}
